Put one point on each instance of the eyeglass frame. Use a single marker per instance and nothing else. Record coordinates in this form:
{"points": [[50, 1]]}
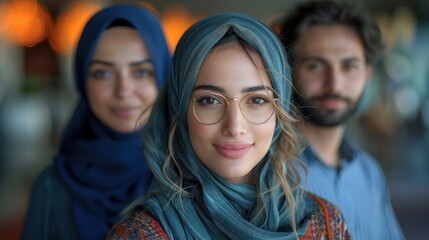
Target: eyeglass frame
{"points": [[274, 100]]}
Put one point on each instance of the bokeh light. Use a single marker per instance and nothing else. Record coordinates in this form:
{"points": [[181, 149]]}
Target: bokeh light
{"points": [[176, 20], [149, 6], [25, 22], [69, 25]]}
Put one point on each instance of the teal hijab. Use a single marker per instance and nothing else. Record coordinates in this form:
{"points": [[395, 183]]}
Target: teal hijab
{"points": [[215, 208]]}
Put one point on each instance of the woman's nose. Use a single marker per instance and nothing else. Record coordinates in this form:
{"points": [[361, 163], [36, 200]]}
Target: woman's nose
{"points": [[234, 123]]}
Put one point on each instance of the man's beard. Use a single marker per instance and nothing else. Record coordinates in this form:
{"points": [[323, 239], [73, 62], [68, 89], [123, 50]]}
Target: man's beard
{"points": [[322, 116]]}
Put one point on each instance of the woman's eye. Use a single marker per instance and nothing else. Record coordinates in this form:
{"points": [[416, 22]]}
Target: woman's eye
{"points": [[143, 73], [258, 101], [208, 100], [101, 74]]}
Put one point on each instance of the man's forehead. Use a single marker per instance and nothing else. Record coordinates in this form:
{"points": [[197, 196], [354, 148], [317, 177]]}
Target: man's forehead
{"points": [[329, 42]]}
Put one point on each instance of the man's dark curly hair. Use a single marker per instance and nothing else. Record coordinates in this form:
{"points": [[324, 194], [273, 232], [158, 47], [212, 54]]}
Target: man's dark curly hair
{"points": [[330, 13]]}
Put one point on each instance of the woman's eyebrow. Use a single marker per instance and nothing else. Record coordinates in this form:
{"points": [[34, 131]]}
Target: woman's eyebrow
{"points": [[148, 60], [222, 90], [209, 87], [102, 62], [110, 64], [256, 88]]}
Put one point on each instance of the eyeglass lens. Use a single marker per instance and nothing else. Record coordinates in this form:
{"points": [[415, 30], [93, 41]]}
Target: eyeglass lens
{"points": [[211, 108]]}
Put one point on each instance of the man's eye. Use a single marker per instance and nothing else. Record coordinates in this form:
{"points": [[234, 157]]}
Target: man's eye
{"points": [[315, 66], [350, 66]]}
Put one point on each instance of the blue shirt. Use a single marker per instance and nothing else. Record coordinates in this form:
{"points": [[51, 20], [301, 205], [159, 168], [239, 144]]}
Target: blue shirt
{"points": [[358, 188], [49, 213]]}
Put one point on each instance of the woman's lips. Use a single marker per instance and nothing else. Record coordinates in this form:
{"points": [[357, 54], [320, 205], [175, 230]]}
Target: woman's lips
{"points": [[124, 112], [233, 150]]}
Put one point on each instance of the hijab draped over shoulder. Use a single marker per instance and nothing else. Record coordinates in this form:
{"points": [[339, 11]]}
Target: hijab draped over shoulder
{"points": [[103, 169], [215, 208]]}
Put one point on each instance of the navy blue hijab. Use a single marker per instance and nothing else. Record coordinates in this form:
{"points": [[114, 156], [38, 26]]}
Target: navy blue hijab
{"points": [[105, 170]]}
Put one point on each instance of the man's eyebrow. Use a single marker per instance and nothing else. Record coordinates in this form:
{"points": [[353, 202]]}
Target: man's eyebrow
{"points": [[324, 60], [351, 59], [308, 59]]}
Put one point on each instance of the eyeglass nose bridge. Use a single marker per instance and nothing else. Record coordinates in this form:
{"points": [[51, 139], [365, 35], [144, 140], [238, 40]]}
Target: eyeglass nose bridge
{"points": [[238, 100]]}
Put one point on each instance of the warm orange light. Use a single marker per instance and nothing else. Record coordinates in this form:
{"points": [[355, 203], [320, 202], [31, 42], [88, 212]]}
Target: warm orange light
{"points": [[25, 22], [3, 18], [176, 20], [69, 26], [150, 7]]}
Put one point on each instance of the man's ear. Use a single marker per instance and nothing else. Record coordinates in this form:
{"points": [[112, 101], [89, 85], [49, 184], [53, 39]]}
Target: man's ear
{"points": [[368, 72]]}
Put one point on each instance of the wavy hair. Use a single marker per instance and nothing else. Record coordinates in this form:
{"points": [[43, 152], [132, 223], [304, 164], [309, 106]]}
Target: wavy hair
{"points": [[168, 150], [328, 12]]}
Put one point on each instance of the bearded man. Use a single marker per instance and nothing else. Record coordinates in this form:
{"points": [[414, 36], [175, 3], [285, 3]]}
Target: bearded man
{"points": [[331, 47]]}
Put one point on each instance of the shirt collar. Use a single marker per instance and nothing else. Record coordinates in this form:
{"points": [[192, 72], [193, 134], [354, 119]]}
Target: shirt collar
{"points": [[348, 152]]}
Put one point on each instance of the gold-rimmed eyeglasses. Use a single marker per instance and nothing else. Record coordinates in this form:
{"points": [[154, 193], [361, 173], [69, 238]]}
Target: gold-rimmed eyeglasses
{"points": [[256, 107]]}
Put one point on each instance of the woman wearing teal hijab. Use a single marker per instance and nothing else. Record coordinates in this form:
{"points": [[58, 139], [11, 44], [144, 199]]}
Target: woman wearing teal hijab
{"points": [[221, 143]]}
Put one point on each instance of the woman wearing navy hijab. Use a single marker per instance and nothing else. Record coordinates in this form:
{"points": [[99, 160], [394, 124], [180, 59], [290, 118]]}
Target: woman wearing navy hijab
{"points": [[121, 61]]}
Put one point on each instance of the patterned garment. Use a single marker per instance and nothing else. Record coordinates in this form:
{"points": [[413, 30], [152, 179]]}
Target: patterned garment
{"points": [[139, 226], [327, 223]]}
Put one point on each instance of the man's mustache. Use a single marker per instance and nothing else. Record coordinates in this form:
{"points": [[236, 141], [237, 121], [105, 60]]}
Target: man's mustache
{"points": [[330, 97]]}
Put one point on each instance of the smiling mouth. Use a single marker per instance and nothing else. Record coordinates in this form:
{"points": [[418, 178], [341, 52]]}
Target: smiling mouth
{"points": [[124, 112], [233, 151]]}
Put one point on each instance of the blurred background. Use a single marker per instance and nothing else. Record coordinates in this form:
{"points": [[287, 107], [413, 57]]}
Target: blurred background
{"points": [[37, 39]]}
